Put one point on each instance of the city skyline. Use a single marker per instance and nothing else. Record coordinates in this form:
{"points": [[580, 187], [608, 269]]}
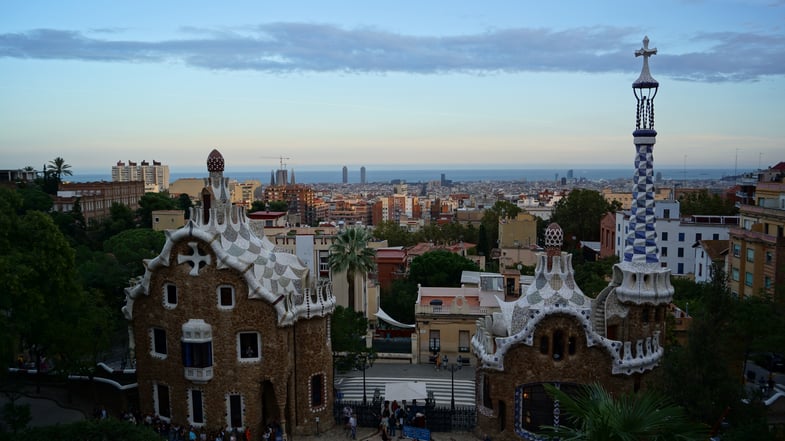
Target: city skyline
{"points": [[453, 85]]}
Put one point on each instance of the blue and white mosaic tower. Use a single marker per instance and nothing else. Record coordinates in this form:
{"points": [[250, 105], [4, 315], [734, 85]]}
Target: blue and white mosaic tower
{"points": [[641, 244], [644, 280]]}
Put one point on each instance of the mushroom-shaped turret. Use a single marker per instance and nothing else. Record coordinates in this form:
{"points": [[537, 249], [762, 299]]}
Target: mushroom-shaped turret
{"points": [[215, 162]]}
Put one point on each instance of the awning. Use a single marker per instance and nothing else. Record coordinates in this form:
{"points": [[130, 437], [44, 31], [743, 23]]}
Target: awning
{"points": [[381, 315], [409, 390]]}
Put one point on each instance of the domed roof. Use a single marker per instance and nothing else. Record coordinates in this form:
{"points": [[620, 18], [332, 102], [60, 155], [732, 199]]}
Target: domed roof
{"points": [[554, 236], [215, 161]]}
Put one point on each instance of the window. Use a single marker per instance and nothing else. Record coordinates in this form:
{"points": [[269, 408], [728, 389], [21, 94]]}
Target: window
{"points": [[750, 254], [748, 278], [664, 251], [734, 274], [571, 343], [197, 355], [538, 409], [235, 410], [196, 407], [485, 390], [558, 345], [435, 342], [162, 406], [249, 346], [681, 237], [769, 257], [225, 297], [679, 268], [317, 390], [159, 342], [680, 252], [645, 315], [667, 213], [544, 345], [715, 236], [170, 295], [767, 282], [700, 270], [736, 250], [664, 235], [463, 341], [698, 236]]}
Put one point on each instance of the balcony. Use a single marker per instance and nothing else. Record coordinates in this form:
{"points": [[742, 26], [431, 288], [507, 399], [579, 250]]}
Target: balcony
{"points": [[199, 375], [754, 236]]}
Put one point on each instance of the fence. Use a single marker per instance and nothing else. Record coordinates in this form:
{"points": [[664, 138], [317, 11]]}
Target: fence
{"points": [[437, 419]]}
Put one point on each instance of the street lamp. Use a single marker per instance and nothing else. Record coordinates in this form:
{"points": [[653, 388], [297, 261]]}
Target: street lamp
{"points": [[452, 368], [364, 361]]}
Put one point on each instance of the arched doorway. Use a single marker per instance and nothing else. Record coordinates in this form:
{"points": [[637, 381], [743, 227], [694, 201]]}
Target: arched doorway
{"points": [[271, 414]]}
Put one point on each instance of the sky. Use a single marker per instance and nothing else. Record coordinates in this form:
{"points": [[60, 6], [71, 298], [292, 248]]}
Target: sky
{"points": [[388, 84]]}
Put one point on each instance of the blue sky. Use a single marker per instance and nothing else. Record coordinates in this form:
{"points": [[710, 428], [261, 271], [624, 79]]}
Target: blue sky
{"points": [[388, 84]]}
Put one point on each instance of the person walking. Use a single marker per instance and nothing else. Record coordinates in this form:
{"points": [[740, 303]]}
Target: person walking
{"points": [[353, 426]]}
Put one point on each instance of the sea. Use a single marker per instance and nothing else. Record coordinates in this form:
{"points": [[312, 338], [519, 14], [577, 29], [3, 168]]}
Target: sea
{"points": [[454, 175]]}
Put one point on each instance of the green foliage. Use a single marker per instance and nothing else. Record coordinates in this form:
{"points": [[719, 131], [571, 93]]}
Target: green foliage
{"points": [[34, 198], [278, 206], [704, 376], [399, 302], [59, 168], [16, 416], [257, 206], [130, 247], [48, 308], [185, 203], [594, 414], [439, 268], [348, 329], [394, 234], [151, 202], [579, 215], [92, 430], [350, 253], [702, 202], [593, 276]]}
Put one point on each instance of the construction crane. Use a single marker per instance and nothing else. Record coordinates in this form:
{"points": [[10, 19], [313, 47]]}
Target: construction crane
{"points": [[280, 158]]}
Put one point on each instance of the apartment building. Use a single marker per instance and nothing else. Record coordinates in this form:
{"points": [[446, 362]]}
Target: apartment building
{"points": [[95, 199], [756, 261], [676, 235], [155, 176]]}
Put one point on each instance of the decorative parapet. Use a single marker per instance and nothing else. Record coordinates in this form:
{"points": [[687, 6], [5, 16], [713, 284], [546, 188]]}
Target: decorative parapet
{"points": [[624, 360], [641, 283]]}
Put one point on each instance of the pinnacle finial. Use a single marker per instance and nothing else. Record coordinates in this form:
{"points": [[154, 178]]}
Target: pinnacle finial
{"points": [[645, 80]]}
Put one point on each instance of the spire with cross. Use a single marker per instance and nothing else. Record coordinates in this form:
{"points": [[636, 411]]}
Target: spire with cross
{"points": [[645, 79]]}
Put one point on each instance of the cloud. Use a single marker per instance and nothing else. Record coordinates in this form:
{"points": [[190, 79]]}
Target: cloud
{"points": [[307, 47]]}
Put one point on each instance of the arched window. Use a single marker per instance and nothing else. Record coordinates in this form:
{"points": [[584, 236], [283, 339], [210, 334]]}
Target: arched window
{"points": [[571, 343]]}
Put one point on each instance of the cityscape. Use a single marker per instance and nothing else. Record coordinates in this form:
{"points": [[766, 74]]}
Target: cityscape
{"points": [[447, 256]]}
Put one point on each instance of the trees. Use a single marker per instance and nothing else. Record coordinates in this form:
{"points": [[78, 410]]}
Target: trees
{"points": [[594, 414], [350, 253], [151, 202], [439, 268], [394, 234], [59, 168], [579, 215], [701, 202], [46, 310]]}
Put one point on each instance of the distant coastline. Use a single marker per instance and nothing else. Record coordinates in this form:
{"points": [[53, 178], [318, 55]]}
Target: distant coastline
{"points": [[455, 175]]}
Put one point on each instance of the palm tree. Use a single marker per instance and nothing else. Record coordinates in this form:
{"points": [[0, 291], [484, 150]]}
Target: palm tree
{"points": [[59, 168], [350, 253], [594, 414]]}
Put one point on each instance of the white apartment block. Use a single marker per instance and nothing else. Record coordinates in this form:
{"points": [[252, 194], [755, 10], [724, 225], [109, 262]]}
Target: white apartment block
{"points": [[676, 236], [155, 176]]}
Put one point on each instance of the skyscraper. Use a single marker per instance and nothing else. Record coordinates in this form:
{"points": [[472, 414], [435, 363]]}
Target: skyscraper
{"points": [[345, 175], [362, 175]]}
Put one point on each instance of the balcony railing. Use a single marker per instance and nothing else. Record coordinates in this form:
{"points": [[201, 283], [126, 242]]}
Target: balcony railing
{"points": [[199, 374]]}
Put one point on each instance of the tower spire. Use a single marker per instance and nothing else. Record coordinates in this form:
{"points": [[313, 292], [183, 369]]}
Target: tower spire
{"points": [[641, 243]]}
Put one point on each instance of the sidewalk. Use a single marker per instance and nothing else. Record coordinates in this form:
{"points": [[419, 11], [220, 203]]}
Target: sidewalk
{"points": [[365, 433]]}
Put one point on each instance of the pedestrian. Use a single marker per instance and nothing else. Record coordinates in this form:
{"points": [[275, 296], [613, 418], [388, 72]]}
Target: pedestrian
{"points": [[438, 362], [353, 426]]}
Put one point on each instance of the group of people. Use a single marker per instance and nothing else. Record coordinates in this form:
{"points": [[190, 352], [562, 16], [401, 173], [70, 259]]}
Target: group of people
{"points": [[175, 432]]}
